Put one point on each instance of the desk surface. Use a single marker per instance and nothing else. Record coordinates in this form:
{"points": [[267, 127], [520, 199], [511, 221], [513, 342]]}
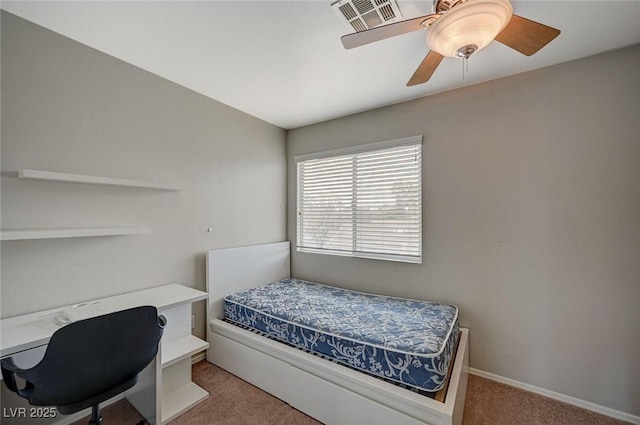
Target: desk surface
{"points": [[33, 330]]}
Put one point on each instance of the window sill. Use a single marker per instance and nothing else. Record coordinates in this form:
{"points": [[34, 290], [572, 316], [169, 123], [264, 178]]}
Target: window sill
{"points": [[365, 255]]}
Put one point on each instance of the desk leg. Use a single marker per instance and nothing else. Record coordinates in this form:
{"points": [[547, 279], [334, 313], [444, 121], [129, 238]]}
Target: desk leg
{"points": [[145, 395]]}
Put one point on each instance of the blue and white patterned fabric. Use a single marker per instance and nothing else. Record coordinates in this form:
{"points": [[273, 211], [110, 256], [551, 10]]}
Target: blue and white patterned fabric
{"points": [[406, 341]]}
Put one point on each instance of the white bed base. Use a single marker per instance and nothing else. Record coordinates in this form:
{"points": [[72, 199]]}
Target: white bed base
{"points": [[324, 390]]}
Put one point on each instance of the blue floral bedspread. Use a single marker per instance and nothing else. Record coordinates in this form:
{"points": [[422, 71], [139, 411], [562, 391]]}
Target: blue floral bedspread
{"points": [[402, 340]]}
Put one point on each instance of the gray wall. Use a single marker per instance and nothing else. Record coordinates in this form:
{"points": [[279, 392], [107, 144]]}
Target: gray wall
{"points": [[531, 221], [69, 108]]}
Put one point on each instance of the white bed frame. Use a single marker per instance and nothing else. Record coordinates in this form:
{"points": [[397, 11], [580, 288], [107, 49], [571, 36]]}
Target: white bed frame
{"points": [[326, 391]]}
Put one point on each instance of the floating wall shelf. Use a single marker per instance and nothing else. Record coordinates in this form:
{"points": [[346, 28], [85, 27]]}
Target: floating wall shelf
{"points": [[53, 176], [23, 234]]}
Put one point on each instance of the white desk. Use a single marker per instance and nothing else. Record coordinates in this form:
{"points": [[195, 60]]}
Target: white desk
{"points": [[164, 389]]}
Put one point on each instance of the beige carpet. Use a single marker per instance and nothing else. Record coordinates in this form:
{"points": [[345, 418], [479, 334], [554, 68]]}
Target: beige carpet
{"points": [[492, 403], [233, 401]]}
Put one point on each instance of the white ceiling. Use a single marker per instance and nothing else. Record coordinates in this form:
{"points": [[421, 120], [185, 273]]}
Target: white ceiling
{"points": [[283, 62]]}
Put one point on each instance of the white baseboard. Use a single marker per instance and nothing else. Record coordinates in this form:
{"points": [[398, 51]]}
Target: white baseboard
{"points": [[560, 397]]}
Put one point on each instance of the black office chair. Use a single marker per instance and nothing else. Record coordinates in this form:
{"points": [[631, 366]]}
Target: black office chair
{"points": [[90, 361]]}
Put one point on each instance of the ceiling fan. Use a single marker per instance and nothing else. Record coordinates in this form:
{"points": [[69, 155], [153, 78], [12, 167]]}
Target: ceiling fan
{"points": [[459, 28]]}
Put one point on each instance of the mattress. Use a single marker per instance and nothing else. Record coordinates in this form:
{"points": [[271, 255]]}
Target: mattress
{"points": [[409, 342]]}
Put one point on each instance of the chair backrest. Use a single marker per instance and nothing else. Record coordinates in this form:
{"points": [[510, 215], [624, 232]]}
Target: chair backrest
{"points": [[87, 358]]}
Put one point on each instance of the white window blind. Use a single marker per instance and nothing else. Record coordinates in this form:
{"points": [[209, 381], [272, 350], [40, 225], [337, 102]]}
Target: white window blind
{"points": [[362, 202]]}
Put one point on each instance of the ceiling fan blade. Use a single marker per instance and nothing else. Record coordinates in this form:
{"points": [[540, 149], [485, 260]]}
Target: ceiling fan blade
{"points": [[526, 36], [426, 68], [361, 38]]}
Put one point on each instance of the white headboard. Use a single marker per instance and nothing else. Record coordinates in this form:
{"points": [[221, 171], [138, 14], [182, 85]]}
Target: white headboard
{"points": [[235, 269]]}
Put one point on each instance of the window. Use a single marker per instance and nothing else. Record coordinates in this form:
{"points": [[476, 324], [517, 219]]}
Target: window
{"points": [[364, 201]]}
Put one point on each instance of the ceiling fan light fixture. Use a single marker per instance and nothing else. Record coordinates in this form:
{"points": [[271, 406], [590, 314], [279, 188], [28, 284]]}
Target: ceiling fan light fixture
{"points": [[472, 23]]}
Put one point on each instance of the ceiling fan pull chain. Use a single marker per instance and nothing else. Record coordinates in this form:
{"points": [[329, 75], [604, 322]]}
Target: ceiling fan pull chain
{"points": [[465, 66]]}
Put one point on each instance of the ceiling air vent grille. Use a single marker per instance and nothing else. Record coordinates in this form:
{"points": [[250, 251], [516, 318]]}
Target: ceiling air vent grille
{"points": [[360, 15]]}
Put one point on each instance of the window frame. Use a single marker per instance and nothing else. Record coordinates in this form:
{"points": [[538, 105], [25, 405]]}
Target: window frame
{"points": [[353, 151]]}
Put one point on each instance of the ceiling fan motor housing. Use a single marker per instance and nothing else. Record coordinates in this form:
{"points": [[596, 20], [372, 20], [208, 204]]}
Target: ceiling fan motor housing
{"points": [[441, 6], [466, 51]]}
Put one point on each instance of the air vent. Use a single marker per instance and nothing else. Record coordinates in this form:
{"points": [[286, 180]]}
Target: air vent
{"points": [[360, 15]]}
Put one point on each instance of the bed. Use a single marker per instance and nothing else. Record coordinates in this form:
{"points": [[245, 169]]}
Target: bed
{"points": [[295, 368]]}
